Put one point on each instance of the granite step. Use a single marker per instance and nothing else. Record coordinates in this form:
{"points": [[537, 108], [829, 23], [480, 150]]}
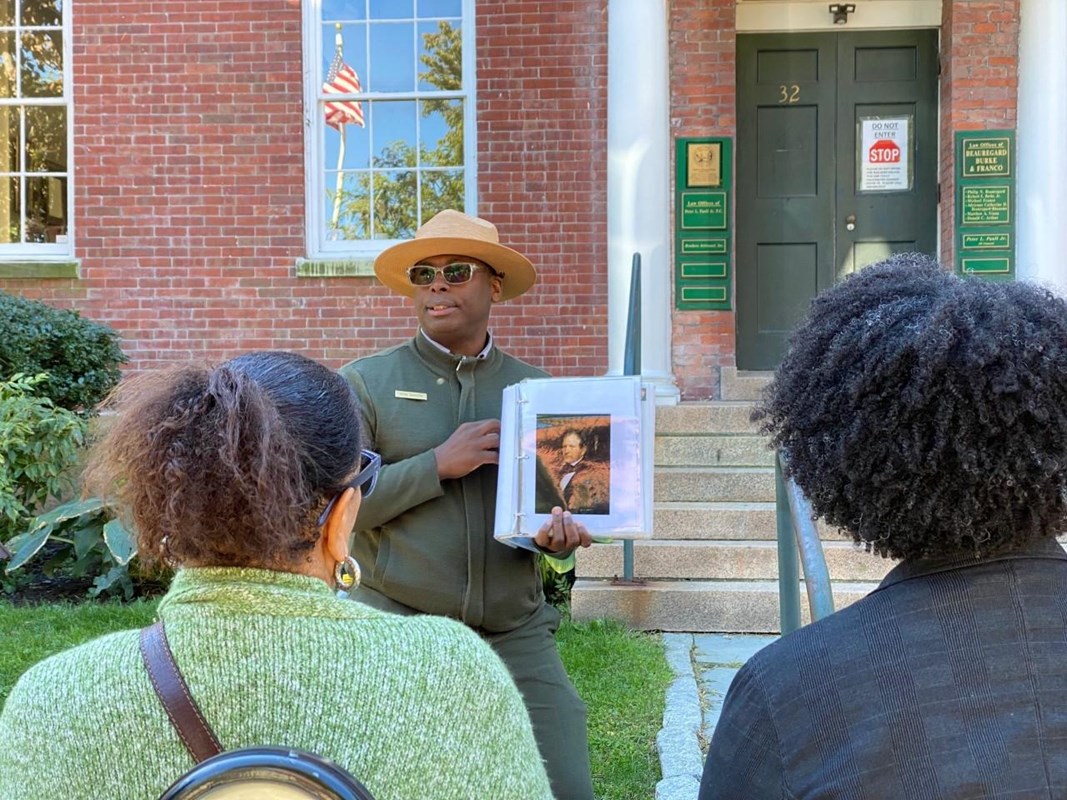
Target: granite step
{"points": [[713, 450], [699, 606], [716, 560], [714, 484], [705, 418]]}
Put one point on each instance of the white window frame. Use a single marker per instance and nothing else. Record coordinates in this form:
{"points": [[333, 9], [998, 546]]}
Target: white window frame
{"points": [[317, 246], [46, 251]]}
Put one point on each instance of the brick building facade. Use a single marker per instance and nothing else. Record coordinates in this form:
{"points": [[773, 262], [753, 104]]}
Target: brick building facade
{"points": [[188, 134]]}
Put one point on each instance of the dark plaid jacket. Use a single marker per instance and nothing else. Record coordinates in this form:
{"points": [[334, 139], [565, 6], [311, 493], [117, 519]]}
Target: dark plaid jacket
{"points": [[948, 681]]}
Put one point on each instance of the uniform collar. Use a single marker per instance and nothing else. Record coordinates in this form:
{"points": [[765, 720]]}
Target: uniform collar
{"points": [[443, 362], [484, 354]]}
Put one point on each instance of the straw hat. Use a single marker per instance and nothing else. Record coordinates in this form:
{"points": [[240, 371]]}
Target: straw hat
{"points": [[458, 234]]}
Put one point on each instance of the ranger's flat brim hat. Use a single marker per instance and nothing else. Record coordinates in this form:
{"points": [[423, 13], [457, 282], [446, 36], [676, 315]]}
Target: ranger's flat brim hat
{"points": [[454, 233]]}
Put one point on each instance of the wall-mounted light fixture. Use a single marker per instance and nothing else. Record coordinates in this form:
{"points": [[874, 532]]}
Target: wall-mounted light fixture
{"points": [[841, 12]]}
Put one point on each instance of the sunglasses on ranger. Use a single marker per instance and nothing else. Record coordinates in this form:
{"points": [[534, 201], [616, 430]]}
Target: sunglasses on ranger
{"points": [[366, 479], [454, 273]]}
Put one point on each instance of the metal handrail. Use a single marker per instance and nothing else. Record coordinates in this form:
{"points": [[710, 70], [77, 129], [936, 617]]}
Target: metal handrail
{"points": [[797, 532]]}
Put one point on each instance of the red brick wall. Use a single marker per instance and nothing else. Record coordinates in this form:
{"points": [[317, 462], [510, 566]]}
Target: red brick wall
{"points": [[979, 85], [189, 179], [702, 47], [190, 184], [542, 171], [189, 174]]}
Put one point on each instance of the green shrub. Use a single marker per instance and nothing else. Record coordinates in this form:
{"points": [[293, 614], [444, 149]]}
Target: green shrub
{"points": [[79, 357], [38, 446], [557, 578], [85, 541]]}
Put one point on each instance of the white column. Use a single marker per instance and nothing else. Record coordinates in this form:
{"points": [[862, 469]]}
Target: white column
{"points": [[1042, 184], [638, 191]]}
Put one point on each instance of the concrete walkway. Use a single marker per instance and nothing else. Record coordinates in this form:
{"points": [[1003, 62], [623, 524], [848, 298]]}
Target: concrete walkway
{"points": [[703, 664]]}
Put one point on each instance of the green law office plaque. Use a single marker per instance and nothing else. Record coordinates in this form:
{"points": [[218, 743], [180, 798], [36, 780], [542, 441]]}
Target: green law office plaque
{"points": [[984, 231], [986, 266], [986, 205], [703, 247], [703, 269], [986, 241], [703, 181], [704, 211], [703, 294], [986, 157]]}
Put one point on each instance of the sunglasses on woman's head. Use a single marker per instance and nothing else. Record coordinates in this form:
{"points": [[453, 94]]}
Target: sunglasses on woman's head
{"points": [[454, 273], [366, 479]]}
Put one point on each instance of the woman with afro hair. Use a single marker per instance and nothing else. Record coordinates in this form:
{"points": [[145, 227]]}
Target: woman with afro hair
{"points": [[925, 415]]}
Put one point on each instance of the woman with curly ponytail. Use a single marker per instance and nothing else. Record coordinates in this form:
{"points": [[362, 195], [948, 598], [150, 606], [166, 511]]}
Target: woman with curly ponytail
{"points": [[247, 477]]}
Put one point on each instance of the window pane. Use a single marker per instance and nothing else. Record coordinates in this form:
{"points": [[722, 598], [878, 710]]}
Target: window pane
{"points": [[7, 64], [393, 134], [42, 12], [9, 132], [7, 12], [392, 53], [46, 139], [9, 211], [353, 49], [392, 9], [42, 64], [440, 8], [356, 144], [347, 205], [440, 57], [342, 10], [46, 215], [442, 133], [380, 181], [394, 205], [441, 189]]}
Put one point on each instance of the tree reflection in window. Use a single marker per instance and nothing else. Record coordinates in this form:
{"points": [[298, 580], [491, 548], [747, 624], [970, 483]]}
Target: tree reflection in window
{"points": [[408, 163], [34, 100]]}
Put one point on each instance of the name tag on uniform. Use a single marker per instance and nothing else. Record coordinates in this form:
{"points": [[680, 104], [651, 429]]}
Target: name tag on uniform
{"points": [[409, 395]]}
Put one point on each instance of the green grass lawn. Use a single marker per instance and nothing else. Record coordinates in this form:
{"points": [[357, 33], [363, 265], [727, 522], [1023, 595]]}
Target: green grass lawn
{"points": [[623, 678], [621, 675]]}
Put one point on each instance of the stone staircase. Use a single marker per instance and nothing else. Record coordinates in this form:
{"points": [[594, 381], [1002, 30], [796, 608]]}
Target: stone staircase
{"points": [[712, 565]]}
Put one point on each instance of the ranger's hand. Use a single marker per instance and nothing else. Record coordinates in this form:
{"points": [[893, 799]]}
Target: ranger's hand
{"points": [[470, 445], [562, 533]]}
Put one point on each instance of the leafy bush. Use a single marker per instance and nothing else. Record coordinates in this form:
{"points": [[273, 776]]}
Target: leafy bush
{"points": [[557, 578], [38, 446], [80, 357], [86, 541]]}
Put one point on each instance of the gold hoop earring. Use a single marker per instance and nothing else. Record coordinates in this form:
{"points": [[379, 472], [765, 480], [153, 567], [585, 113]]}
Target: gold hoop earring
{"points": [[347, 574]]}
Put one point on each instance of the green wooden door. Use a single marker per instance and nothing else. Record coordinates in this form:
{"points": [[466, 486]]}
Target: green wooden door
{"points": [[836, 168]]}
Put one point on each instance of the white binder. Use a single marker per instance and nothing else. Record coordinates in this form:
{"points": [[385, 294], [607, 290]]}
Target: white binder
{"points": [[544, 422]]}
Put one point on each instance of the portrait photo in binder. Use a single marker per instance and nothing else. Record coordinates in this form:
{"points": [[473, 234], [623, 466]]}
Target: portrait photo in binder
{"points": [[576, 452], [582, 444]]}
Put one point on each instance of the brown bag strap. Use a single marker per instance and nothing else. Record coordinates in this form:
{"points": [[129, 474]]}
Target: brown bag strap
{"points": [[173, 692]]}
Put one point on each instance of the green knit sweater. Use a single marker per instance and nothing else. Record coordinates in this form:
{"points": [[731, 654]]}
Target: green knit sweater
{"points": [[415, 707]]}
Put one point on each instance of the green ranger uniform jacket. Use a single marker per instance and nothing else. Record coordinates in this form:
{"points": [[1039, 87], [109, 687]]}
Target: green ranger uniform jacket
{"points": [[425, 542]]}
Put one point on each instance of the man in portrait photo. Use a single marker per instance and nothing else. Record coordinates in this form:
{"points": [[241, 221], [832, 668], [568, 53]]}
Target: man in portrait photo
{"points": [[583, 484]]}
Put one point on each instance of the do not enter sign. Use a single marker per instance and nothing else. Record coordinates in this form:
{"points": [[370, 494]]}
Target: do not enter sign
{"points": [[884, 151]]}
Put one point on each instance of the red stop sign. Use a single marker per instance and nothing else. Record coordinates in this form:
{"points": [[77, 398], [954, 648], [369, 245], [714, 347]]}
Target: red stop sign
{"points": [[884, 151]]}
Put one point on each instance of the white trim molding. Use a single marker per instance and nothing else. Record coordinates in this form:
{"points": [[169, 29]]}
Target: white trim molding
{"points": [[791, 16]]}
